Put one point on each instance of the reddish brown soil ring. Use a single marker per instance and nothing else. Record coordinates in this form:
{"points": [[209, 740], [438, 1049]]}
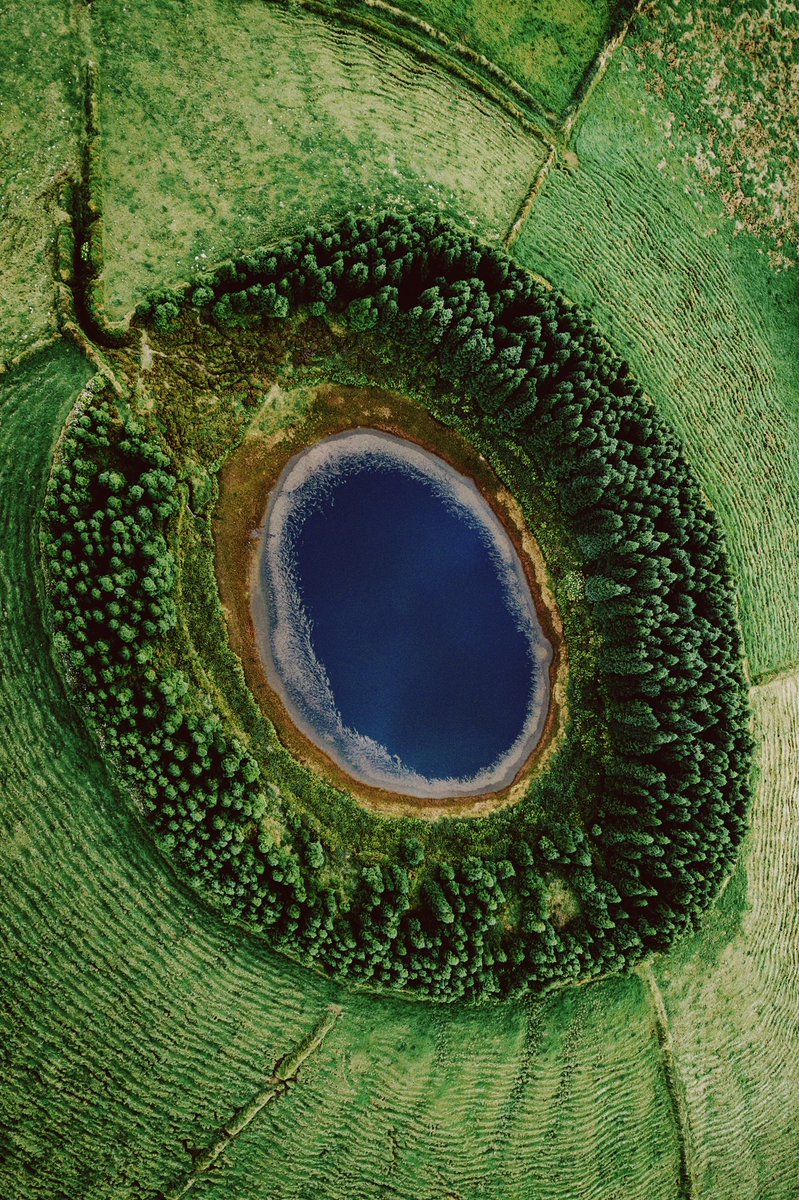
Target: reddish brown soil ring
{"points": [[245, 483]]}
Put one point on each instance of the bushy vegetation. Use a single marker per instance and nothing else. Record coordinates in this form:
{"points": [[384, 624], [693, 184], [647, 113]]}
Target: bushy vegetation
{"points": [[523, 367]]}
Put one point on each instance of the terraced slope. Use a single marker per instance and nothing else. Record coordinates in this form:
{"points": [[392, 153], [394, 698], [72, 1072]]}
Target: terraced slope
{"points": [[711, 333], [482, 1103]]}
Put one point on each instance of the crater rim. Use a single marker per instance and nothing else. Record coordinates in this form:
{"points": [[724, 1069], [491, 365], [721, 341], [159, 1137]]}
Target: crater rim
{"points": [[256, 467]]}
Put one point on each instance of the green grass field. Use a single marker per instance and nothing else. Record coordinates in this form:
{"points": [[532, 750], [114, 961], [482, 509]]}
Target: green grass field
{"points": [[209, 127], [708, 328], [545, 47], [40, 123], [134, 1022]]}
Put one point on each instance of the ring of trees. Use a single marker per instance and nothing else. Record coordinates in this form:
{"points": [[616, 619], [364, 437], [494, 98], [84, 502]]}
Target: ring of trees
{"points": [[669, 797]]}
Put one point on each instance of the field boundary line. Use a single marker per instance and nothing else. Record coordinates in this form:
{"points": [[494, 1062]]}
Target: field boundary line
{"points": [[69, 311], [778, 675], [420, 46], [597, 70], [674, 1086], [8, 365], [564, 129], [79, 253], [283, 1077], [460, 50], [528, 203]]}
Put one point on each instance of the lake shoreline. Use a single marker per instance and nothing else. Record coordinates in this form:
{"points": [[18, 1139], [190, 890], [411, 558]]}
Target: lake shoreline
{"points": [[273, 608], [246, 482]]}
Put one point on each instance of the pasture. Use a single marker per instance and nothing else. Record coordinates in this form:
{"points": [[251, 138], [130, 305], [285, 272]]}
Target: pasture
{"points": [[148, 1046]]}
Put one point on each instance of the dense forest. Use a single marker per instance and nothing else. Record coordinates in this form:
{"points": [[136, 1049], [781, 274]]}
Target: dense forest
{"points": [[523, 367]]}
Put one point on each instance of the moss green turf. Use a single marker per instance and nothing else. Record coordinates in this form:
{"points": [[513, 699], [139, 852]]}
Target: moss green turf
{"points": [[40, 123], [133, 1021]]}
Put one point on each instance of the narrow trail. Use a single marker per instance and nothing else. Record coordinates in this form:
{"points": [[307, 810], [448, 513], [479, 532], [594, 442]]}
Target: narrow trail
{"points": [[282, 1079], [682, 1123]]}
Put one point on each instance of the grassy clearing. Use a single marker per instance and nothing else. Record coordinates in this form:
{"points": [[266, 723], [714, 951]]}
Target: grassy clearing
{"points": [[709, 330], [40, 122], [222, 130], [543, 46]]}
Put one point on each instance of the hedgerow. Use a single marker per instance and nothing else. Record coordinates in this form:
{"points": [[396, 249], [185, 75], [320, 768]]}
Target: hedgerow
{"points": [[523, 368]]}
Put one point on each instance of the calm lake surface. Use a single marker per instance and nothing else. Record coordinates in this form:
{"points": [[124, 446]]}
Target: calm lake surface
{"points": [[395, 620]]}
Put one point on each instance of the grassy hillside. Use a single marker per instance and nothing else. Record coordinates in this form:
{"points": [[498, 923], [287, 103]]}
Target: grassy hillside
{"points": [[545, 47], [708, 328], [134, 1023], [734, 1014], [706, 59], [120, 1002], [40, 121], [135, 1020]]}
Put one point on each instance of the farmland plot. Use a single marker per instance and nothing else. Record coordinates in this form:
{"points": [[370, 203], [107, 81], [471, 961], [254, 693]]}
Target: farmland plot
{"points": [[632, 236], [210, 127]]}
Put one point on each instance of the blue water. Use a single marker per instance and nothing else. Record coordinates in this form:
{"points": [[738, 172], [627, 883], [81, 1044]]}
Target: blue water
{"points": [[411, 623], [395, 620]]}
